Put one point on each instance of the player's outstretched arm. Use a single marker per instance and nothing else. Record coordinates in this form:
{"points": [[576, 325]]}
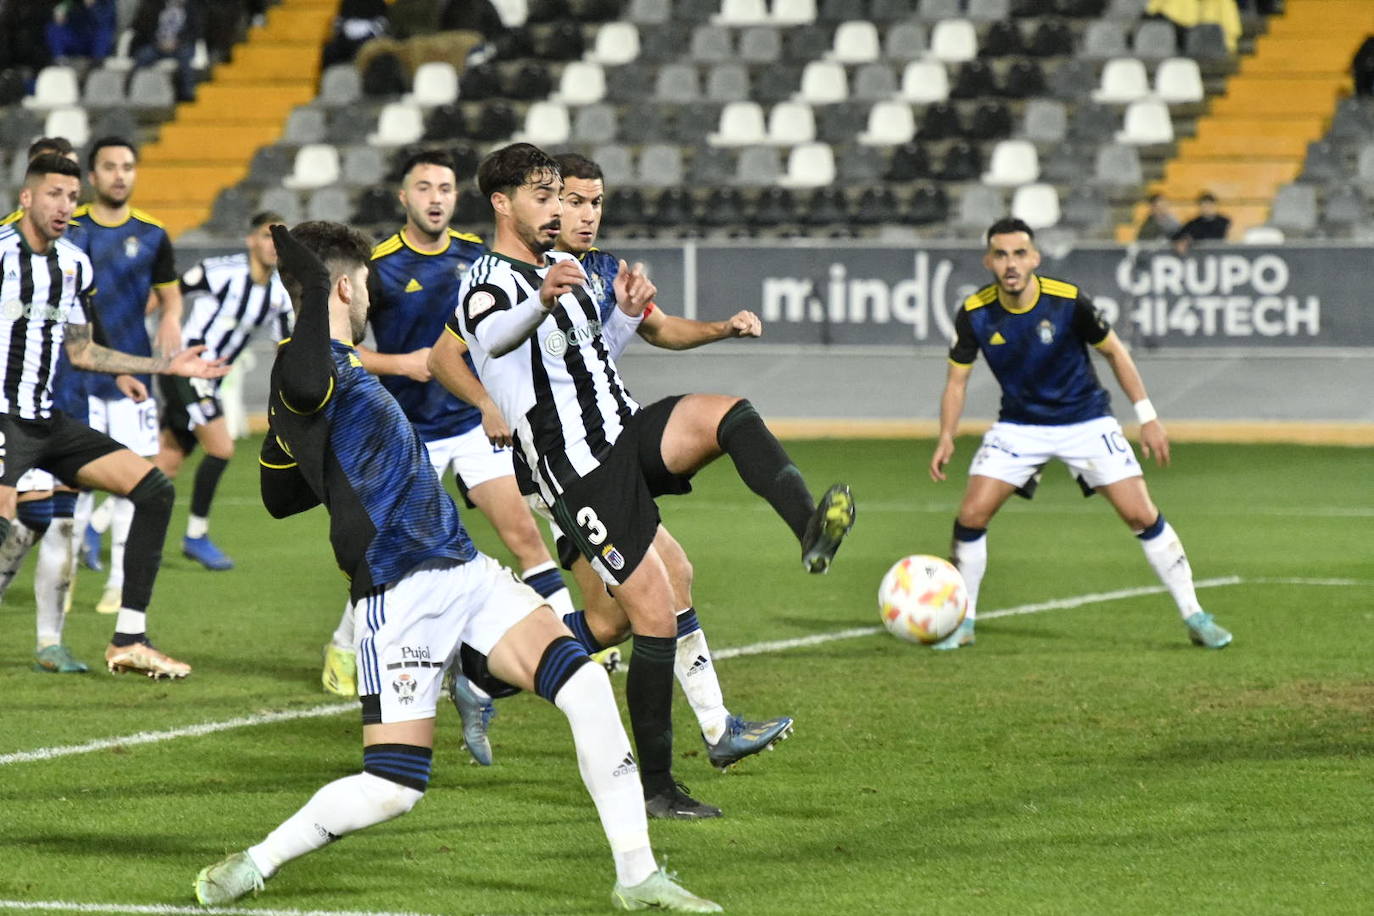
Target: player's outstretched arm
{"points": [[671, 332], [951, 408], [306, 376], [91, 356], [1153, 438], [447, 363], [413, 365]]}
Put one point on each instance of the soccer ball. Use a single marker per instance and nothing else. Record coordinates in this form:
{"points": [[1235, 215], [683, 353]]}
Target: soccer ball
{"points": [[922, 599]]}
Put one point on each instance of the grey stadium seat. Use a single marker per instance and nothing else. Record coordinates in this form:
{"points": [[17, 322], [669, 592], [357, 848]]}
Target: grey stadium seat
{"points": [[988, 10], [616, 163], [660, 166], [860, 164], [1364, 165], [1046, 121], [330, 204], [1345, 206], [104, 89], [678, 83], [1072, 79], [1295, 209], [979, 206], [711, 166], [1323, 163], [305, 125], [711, 44], [1086, 208], [285, 203], [340, 85], [759, 166], [728, 83], [150, 88], [906, 41], [1104, 39], [594, 124], [1118, 165], [363, 166], [935, 10], [760, 45], [874, 82], [649, 12], [1154, 40]]}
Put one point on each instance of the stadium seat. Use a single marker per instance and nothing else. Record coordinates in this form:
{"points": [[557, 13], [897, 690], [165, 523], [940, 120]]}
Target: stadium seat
{"points": [[1002, 39], [1117, 166], [363, 166], [104, 88], [1146, 122], [1154, 40], [758, 165], [304, 125], [119, 122], [1295, 209], [1051, 38], [624, 207], [810, 165], [804, 44], [650, 12], [446, 122], [989, 10], [1072, 79], [710, 166], [990, 121], [909, 161], [889, 124], [760, 45], [794, 12], [1014, 162], [893, 11], [1263, 235], [905, 41], [954, 41], [398, 124], [269, 166], [1037, 205], [70, 123], [677, 83], [837, 11], [741, 12], [1344, 207], [961, 162], [1206, 42], [826, 207], [616, 43], [1123, 81], [644, 123], [617, 164], [741, 124], [876, 206], [859, 165], [979, 207], [55, 87], [1085, 208], [673, 207], [479, 81], [1024, 79], [874, 82], [329, 204], [1045, 121], [856, 43], [530, 82], [1125, 10], [711, 44], [924, 82], [384, 76], [582, 83], [436, 83], [1178, 81], [547, 123], [940, 121], [1092, 123], [936, 10], [594, 124], [775, 207], [231, 211], [378, 206], [286, 203], [122, 59], [691, 123], [728, 83], [790, 123], [542, 11], [723, 207], [974, 80], [660, 165], [1323, 162], [1364, 166], [562, 41], [513, 13], [316, 166], [840, 124], [823, 83], [1068, 162], [1104, 39], [150, 88], [929, 204], [346, 126], [775, 84]]}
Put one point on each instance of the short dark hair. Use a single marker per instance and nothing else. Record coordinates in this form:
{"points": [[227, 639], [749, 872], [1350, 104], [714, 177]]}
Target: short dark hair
{"points": [[50, 164], [105, 143], [509, 167], [1154, 197], [1206, 197], [1009, 224], [571, 165], [59, 145], [428, 157], [265, 218], [343, 249]]}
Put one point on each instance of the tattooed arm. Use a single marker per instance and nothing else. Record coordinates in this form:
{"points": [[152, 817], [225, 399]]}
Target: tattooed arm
{"points": [[91, 356]]}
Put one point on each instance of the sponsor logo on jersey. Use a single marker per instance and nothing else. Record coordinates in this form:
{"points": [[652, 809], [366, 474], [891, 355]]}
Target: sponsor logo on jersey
{"points": [[413, 286], [1046, 331], [405, 685], [557, 343], [614, 558], [131, 247], [997, 338], [13, 310]]}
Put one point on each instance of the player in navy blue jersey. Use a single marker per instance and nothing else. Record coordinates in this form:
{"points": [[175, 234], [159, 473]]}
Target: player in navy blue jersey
{"points": [[133, 255], [413, 282], [427, 597], [1035, 333]]}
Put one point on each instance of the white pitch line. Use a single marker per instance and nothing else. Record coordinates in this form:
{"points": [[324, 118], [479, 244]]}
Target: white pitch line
{"points": [[66, 906]]}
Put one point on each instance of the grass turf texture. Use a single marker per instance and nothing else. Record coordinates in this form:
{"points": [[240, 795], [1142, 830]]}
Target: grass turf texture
{"points": [[1086, 760]]}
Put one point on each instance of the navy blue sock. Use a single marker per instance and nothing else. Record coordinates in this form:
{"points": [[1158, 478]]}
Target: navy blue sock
{"points": [[63, 504], [687, 622], [560, 661], [404, 764], [577, 622], [544, 581], [36, 514], [1149, 533]]}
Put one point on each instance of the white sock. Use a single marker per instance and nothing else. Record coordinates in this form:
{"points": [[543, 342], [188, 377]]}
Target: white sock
{"points": [[343, 634], [339, 808], [131, 622], [697, 675], [197, 527], [608, 770], [80, 519], [98, 517], [1165, 553], [971, 559], [52, 580], [13, 551], [120, 520]]}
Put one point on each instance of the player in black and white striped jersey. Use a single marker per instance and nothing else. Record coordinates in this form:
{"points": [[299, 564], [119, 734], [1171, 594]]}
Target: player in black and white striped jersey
{"points": [[546, 356], [228, 300], [45, 288]]}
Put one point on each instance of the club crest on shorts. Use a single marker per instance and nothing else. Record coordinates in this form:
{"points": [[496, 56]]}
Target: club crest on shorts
{"points": [[614, 558], [1046, 331], [405, 685]]}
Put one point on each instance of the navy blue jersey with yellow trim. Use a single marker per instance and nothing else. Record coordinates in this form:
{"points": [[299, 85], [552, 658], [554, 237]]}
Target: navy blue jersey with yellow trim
{"points": [[601, 268], [1038, 354], [358, 455], [412, 295], [130, 258]]}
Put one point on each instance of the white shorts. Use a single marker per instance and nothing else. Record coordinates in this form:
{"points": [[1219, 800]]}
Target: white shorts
{"points": [[134, 426], [409, 633], [35, 480], [1096, 452], [472, 456]]}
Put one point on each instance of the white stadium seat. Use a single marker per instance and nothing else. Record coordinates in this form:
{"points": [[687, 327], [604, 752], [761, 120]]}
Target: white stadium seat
{"points": [[617, 43], [811, 165], [791, 123], [925, 82], [741, 124], [823, 82], [1123, 81], [55, 87], [741, 12], [582, 83], [547, 123], [70, 123], [889, 124], [954, 41], [1147, 122], [399, 123], [1014, 162], [1037, 205], [316, 166], [436, 83], [1178, 81], [794, 12], [856, 42]]}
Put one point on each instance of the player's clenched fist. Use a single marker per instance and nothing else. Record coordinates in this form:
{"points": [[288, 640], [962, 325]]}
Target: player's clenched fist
{"points": [[560, 280]]}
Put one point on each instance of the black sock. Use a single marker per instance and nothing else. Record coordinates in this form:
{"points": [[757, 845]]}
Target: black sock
{"points": [[764, 466], [649, 696], [207, 479], [152, 499]]}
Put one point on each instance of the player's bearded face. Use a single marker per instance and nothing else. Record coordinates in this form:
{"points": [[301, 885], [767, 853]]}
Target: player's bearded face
{"points": [[358, 304], [113, 175], [48, 205], [1012, 257], [537, 212], [429, 195]]}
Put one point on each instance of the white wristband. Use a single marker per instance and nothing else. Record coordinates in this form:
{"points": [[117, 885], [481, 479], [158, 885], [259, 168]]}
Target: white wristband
{"points": [[1145, 411]]}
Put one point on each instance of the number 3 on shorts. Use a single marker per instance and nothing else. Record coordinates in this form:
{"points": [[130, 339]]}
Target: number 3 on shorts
{"points": [[596, 532]]}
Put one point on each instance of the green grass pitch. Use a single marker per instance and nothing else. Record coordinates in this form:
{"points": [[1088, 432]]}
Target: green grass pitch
{"points": [[1077, 760]]}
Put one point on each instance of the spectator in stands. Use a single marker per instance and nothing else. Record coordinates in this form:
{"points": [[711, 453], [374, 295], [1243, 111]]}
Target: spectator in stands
{"points": [[1185, 14], [1363, 68], [169, 29], [83, 28], [22, 23], [473, 16], [1208, 225], [1160, 224], [357, 22]]}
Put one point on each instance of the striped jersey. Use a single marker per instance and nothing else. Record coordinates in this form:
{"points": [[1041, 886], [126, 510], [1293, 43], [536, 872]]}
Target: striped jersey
{"points": [[39, 295], [559, 389], [224, 308], [131, 258]]}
